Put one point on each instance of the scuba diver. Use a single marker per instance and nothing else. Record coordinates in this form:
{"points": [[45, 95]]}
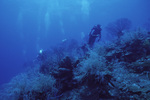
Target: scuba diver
{"points": [[94, 34]]}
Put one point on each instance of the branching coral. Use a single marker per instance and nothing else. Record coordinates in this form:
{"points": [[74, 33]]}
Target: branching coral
{"points": [[29, 86]]}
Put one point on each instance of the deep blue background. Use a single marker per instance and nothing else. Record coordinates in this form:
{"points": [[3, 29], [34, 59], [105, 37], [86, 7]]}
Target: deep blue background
{"points": [[26, 26]]}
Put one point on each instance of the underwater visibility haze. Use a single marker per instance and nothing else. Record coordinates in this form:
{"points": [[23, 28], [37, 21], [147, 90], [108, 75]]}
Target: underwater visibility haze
{"points": [[45, 43]]}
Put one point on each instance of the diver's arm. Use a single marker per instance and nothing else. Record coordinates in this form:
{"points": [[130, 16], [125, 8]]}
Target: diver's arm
{"points": [[92, 30]]}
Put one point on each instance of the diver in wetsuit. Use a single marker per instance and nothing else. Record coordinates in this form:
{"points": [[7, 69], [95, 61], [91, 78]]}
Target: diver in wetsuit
{"points": [[94, 34]]}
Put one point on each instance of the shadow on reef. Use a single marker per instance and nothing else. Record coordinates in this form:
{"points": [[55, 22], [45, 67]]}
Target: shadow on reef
{"points": [[110, 71]]}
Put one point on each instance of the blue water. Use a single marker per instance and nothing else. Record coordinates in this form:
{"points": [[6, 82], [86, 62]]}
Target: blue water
{"points": [[26, 26]]}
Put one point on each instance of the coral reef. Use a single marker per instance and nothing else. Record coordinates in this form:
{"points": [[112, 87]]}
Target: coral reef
{"points": [[119, 70]]}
